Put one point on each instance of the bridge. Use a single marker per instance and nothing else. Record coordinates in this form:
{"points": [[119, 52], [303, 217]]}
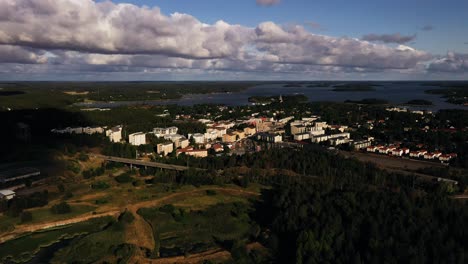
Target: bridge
{"points": [[136, 162]]}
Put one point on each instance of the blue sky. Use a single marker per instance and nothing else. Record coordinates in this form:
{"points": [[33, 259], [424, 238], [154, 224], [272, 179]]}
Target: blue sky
{"points": [[292, 39]]}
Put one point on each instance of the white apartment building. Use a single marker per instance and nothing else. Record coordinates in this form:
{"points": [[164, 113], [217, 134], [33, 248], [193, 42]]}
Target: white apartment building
{"points": [[198, 138], [160, 132], [182, 143], [174, 137], [269, 137], [137, 139], [165, 148], [212, 135], [114, 134]]}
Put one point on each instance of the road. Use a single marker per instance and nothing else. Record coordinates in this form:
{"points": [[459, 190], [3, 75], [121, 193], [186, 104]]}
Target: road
{"points": [[143, 163], [398, 165]]}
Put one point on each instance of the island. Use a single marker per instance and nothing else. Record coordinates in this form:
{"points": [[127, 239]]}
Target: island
{"points": [[454, 95]]}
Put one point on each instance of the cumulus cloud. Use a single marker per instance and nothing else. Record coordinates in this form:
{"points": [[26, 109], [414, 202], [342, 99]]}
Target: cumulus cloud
{"points": [[105, 27], [15, 54], [389, 38], [267, 2], [296, 45], [104, 36], [452, 62]]}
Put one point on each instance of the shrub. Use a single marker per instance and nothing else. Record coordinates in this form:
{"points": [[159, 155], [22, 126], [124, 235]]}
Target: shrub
{"points": [[83, 157], [73, 166], [61, 208], [100, 185], [124, 178]]}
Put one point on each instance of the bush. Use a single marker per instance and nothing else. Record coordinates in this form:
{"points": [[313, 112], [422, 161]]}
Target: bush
{"points": [[83, 157], [26, 217], [100, 185], [73, 166], [124, 178], [168, 208], [137, 183], [61, 208]]}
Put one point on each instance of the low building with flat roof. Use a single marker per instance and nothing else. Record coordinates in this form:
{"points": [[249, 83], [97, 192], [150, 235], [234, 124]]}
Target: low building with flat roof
{"points": [[7, 194]]}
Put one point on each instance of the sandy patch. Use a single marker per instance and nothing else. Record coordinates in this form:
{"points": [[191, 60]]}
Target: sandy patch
{"points": [[76, 93]]}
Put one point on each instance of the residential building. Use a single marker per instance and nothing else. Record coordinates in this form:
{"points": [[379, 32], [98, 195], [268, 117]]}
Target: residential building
{"points": [[217, 147], [93, 130], [286, 119], [298, 129], [165, 148], [397, 152], [137, 139], [210, 136], [362, 144], [429, 156], [371, 149], [114, 134], [317, 132], [174, 137], [198, 138], [250, 131], [318, 139], [182, 143], [190, 151], [339, 141], [160, 132], [7, 194], [303, 136], [229, 138], [321, 125], [269, 137], [240, 134]]}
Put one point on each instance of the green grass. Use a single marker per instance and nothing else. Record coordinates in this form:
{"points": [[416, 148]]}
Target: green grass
{"points": [[24, 248], [45, 215]]}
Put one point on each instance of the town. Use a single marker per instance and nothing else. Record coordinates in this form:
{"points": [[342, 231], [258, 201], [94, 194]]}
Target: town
{"points": [[228, 136]]}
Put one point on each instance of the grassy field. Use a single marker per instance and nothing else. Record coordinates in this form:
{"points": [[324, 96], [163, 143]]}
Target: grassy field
{"points": [[43, 215], [24, 248]]}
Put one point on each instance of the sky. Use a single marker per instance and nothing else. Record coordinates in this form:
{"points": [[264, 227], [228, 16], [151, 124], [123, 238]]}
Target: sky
{"points": [[233, 40]]}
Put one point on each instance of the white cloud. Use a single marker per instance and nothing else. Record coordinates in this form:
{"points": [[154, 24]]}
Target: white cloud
{"points": [[267, 2], [452, 62], [104, 36]]}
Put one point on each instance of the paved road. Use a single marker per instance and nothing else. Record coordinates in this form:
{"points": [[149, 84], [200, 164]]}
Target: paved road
{"points": [[143, 163]]}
